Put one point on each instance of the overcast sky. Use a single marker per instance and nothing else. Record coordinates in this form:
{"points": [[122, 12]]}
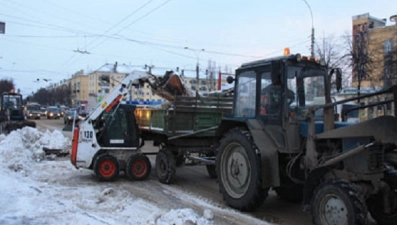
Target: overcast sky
{"points": [[49, 39]]}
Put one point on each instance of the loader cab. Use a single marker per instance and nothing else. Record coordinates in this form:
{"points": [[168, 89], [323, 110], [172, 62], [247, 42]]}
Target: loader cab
{"points": [[279, 89], [117, 128]]}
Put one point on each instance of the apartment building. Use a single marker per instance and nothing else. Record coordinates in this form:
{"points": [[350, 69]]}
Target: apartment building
{"points": [[78, 84], [375, 44]]}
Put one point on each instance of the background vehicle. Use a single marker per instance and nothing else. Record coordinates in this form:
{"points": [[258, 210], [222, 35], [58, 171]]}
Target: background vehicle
{"points": [[12, 112], [63, 109], [43, 112], [70, 117], [53, 112], [338, 169], [83, 113], [33, 111]]}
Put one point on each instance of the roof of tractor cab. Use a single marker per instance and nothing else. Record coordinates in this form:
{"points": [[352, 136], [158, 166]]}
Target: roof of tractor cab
{"points": [[267, 61]]}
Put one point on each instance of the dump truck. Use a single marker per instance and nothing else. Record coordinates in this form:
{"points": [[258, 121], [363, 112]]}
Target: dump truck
{"points": [[12, 115], [275, 139]]}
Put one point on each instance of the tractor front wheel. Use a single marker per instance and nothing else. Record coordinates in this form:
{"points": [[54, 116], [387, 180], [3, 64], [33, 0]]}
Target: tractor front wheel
{"points": [[338, 202], [106, 167]]}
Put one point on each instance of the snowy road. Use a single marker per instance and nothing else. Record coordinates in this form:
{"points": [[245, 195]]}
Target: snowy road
{"points": [[193, 189]]}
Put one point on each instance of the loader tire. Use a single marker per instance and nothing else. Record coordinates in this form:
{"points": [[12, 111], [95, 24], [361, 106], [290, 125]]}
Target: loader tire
{"points": [[106, 167], [165, 166], [376, 204], [138, 167], [238, 168], [338, 202]]}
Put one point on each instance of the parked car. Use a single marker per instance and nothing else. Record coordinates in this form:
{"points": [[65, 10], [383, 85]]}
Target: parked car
{"points": [[53, 112], [70, 116]]}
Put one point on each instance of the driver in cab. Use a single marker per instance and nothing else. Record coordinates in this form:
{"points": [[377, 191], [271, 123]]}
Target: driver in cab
{"points": [[271, 97]]}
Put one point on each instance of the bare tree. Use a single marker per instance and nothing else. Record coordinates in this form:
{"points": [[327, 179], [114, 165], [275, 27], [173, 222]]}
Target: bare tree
{"points": [[359, 58], [331, 50], [6, 85]]}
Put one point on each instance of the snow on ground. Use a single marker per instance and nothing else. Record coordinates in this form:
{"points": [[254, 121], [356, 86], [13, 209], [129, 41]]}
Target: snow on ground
{"points": [[37, 189]]}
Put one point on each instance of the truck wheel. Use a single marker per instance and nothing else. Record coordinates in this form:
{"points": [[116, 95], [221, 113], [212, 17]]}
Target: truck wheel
{"points": [[106, 167], [165, 166], [376, 204], [211, 169], [138, 167], [239, 171], [338, 202]]}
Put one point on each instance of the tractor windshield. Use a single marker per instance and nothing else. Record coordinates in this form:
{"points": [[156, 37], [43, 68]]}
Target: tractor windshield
{"points": [[308, 84], [12, 101]]}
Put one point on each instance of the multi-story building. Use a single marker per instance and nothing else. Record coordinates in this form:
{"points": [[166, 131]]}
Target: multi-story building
{"points": [[78, 84], [98, 87], [374, 46]]}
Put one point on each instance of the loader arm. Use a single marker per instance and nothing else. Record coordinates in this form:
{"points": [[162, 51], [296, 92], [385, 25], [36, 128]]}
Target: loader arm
{"points": [[113, 98]]}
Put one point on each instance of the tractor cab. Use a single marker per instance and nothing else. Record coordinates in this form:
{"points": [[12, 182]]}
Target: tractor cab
{"points": [[279, 95], [280, 89], [11, 106]]}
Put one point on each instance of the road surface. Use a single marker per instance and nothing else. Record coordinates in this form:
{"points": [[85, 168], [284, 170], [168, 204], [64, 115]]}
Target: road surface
{"points": [[194, 180]]}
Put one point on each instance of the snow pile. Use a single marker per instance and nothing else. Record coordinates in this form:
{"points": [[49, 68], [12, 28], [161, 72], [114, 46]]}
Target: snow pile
{"points": [[54, 192], [22, 147]]}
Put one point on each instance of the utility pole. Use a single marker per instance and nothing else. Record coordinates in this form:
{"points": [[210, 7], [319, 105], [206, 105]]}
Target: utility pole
{"points": [[197, 53], [312, 40]]}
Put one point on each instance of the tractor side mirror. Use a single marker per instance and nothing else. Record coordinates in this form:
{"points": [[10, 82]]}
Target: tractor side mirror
{"points": [[230, 79]]}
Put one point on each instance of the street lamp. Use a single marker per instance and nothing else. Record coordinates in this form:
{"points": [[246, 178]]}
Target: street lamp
{"points": [[312, 35], [197, 53]]}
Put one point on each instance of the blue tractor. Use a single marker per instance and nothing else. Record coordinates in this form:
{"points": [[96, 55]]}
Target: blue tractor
{"points": [[12, 115], [283, 136]]}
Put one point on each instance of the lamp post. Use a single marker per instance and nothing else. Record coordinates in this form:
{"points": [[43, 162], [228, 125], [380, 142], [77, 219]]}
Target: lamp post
{"points": [[197, 53], [312, 35]]}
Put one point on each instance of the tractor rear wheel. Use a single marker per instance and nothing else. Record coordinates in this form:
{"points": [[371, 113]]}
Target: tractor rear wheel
{"points": [[106, 167], [376, 204], [165, 166], [138, 167], [239, 171], [338, 202]]}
